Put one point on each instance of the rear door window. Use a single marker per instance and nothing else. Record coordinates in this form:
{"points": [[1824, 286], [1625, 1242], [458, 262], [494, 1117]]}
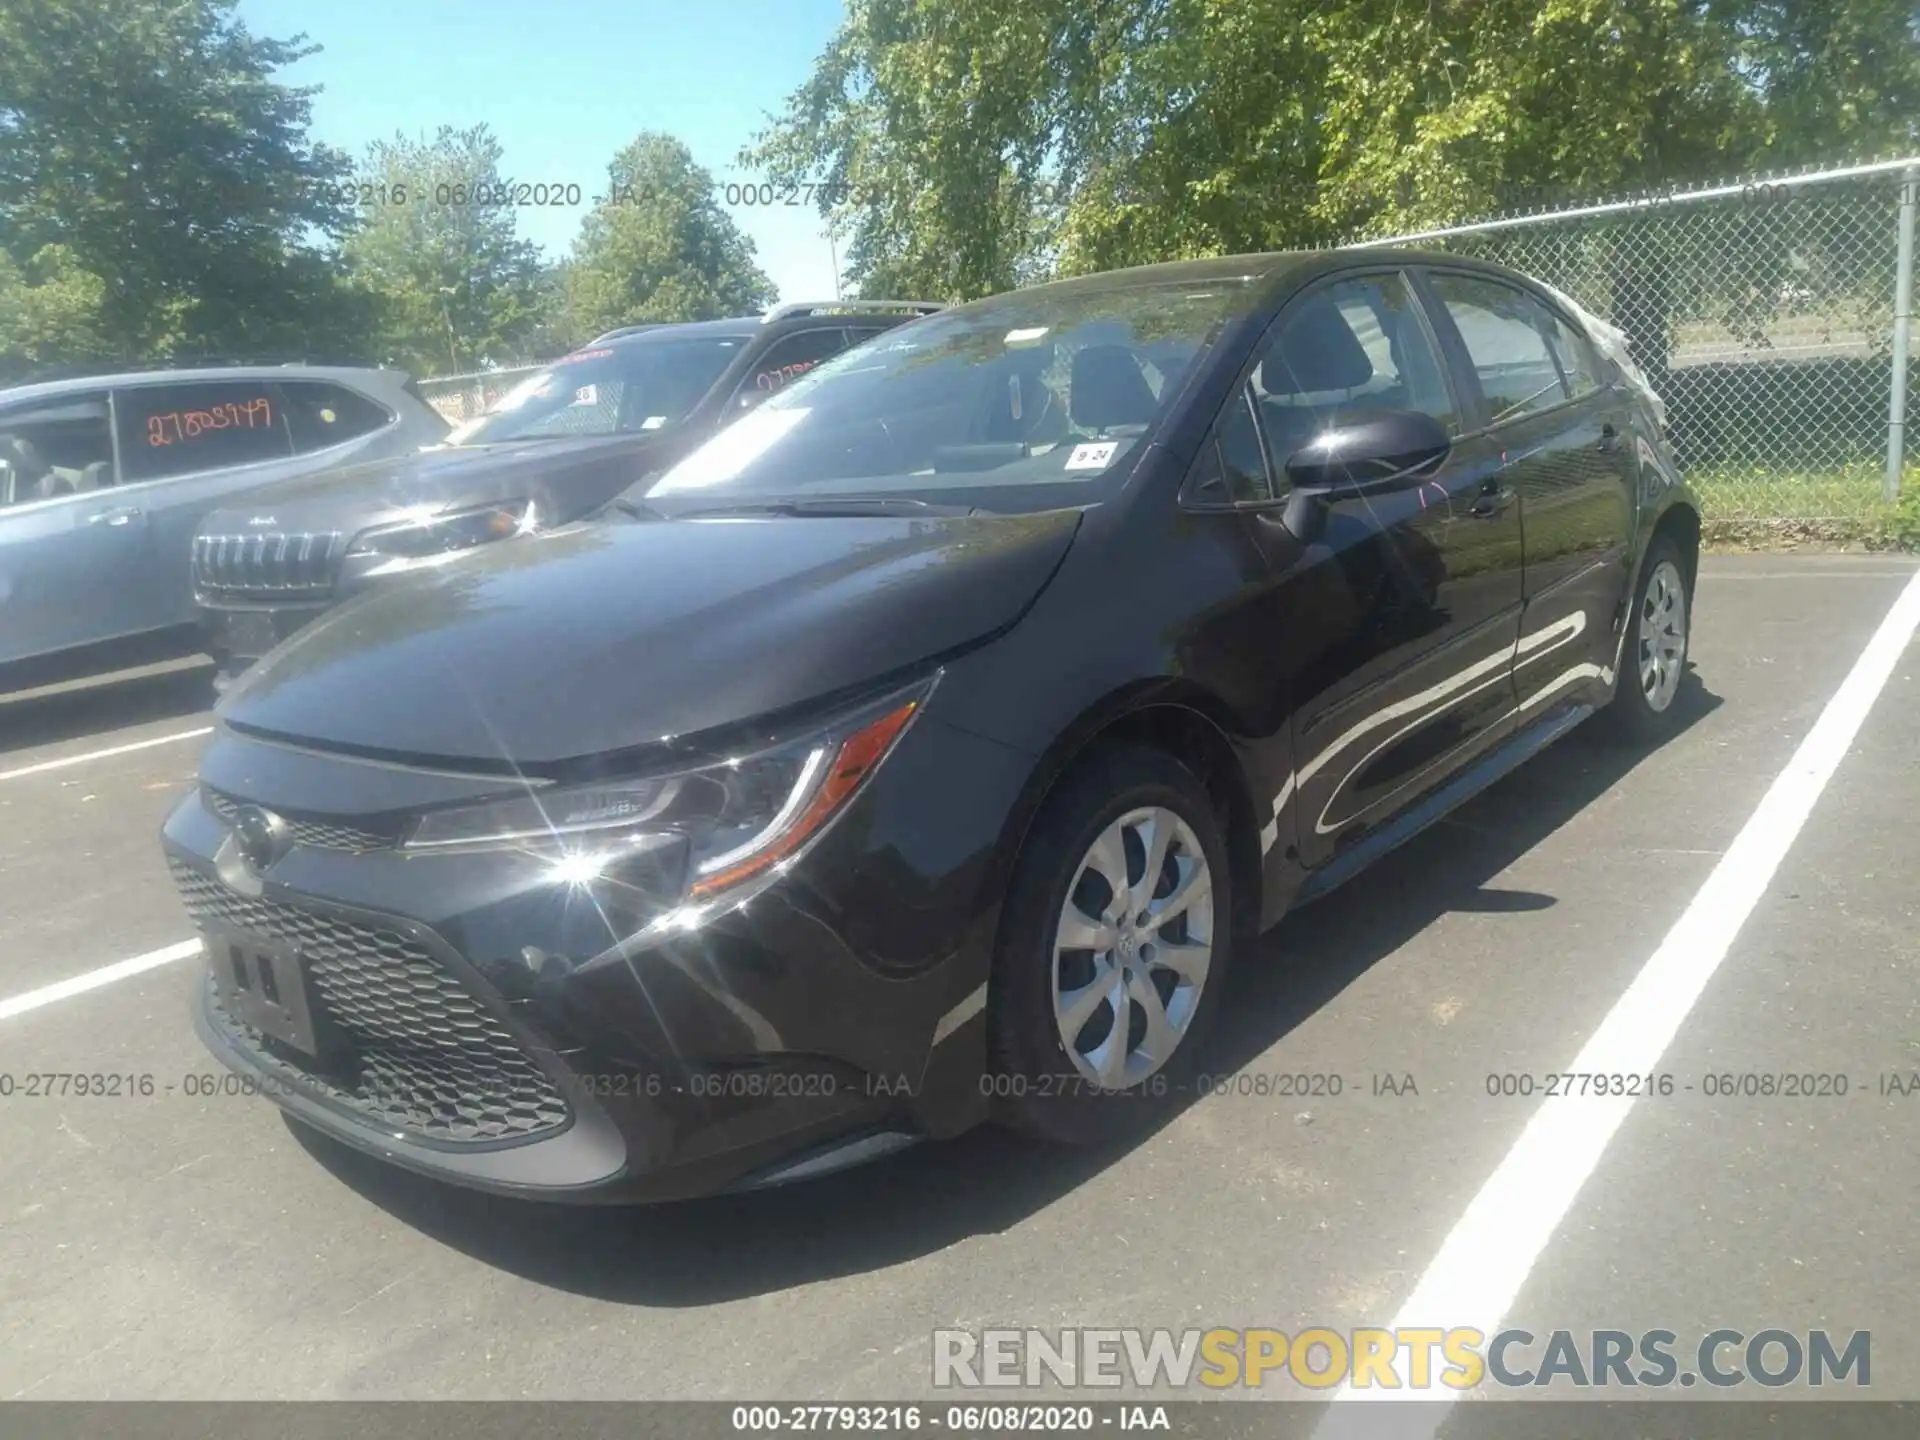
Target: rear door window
{"points": [[1576, 357], [1504, 331], [320, 413], [786, 360], [177, 429], [55, 447]]}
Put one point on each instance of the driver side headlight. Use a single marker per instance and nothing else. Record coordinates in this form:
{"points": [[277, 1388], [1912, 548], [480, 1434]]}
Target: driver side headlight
{"points": [[698, 832], [439, 534]]}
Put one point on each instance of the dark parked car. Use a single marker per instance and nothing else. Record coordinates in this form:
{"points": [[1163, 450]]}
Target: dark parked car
{"points": [[104, 480], [556, 447], [920, 750]]}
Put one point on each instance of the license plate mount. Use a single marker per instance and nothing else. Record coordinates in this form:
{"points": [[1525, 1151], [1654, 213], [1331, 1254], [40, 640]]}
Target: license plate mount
{"points": [[248, 634], [266, 986]]}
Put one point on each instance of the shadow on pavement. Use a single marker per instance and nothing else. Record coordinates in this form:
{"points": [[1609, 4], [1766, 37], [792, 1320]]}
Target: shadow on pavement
{"points": [[110, 702], [926, 1199]]}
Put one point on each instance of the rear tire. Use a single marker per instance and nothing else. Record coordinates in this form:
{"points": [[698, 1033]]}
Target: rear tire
{"points": [[1094, 1040], [1653, 661]]}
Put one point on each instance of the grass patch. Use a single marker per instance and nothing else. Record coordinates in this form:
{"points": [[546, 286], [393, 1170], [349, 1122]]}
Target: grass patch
{"points": [[1758, 492], [1752, 507]]}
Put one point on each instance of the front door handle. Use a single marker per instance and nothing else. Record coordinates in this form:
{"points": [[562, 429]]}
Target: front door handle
{"points": [[120, 515], [1609, 437]]}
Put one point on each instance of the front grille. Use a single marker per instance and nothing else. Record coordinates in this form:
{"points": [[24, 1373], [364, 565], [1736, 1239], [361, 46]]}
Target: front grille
{"points": [[267, 564], [309, 830], [426, 1056]]}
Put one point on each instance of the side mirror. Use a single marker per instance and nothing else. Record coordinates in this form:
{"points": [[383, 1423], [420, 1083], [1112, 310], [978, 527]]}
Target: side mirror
{"points": [[1390, 451]]}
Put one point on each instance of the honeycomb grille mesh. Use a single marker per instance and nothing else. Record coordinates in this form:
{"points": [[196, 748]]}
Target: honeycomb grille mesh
{"points": [[427, 1057], [321, 834]]}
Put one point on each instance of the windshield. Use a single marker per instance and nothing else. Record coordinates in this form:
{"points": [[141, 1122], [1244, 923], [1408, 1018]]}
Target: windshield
{"points": [[1025, 401], [610, 390]]}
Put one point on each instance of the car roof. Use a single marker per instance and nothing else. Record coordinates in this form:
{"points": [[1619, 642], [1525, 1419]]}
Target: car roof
{"points": [[743, 327], [364, 376], [1256, 272], [1264, 273], [732, 328]]}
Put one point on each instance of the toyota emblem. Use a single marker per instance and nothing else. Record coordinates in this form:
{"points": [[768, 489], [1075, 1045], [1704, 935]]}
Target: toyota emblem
{"points": [[260, 836]]}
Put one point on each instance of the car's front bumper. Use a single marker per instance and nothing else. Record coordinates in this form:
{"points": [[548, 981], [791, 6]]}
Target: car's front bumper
{"points": [[494, 1037], [242, 621], [237, 633]]}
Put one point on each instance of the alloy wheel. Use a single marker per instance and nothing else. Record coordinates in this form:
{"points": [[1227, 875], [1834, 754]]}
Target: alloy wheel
{"points": [[1133, 948], [1663, 635]]}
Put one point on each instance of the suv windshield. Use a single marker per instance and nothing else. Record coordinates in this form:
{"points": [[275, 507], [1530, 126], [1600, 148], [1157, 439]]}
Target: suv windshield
{"points": [[609, 390], [1024, 401]]}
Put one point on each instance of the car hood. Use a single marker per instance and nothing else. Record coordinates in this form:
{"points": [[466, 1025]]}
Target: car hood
{"points": [[564, 477], [601, 637]]}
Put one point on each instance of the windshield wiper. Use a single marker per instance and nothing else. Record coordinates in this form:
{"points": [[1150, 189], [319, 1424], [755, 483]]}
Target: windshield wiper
{"points": [[829, 506]]}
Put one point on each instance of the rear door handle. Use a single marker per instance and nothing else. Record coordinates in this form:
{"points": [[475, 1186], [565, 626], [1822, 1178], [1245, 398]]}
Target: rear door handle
{"points": [[120, 515]]}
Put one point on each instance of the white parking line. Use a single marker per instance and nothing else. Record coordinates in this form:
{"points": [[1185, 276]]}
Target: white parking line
{"points": [[66, 760], [1489, 1254], [94, 979]]}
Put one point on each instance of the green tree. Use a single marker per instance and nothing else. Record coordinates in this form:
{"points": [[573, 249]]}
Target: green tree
{"points": [[436, 250], [1837, 76], [929, 125], [658, 247], [149, 141], [979, 143], [553, 332], [50, 314]]}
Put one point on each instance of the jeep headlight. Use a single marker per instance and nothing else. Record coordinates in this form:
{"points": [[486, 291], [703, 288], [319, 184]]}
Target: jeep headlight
{"points": [[449, 531]]}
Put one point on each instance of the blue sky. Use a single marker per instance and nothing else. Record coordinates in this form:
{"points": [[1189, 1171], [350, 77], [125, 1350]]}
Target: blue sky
{"points": [[565, 86]]}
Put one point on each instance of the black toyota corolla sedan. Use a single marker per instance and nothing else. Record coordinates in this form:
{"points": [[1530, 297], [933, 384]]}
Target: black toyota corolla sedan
{"points": [[920, 750]]}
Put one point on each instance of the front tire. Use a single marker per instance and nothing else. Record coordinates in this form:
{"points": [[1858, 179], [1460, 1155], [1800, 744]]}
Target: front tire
{"points": [[1113, 950], [1653, 661]]}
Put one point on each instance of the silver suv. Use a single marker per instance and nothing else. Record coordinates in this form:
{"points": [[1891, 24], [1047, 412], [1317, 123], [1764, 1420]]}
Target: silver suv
{"points": [[104, 480]]}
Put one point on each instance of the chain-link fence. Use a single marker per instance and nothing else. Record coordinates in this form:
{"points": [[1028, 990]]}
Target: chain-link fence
{"points": [[461, 397], [1762, 310]]}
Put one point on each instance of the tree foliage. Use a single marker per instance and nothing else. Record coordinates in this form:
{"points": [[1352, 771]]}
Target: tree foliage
{"points": [[161, 195], [161, 198], [438, 253], [50, 312], [148, 141], [658, 247], [979, 143]]}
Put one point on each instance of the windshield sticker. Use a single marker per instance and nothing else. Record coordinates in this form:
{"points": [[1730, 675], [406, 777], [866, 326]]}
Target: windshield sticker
{"points": [[653, 422], [1016, 337], [1092, 457], [587, 395]]}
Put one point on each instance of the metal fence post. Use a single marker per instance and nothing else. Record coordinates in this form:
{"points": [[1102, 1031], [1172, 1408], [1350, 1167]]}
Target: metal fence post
{"points": [[1902, 326]]}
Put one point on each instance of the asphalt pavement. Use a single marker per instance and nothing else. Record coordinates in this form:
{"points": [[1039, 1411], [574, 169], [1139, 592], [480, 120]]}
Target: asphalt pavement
{"points": [[181, 1246]]}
